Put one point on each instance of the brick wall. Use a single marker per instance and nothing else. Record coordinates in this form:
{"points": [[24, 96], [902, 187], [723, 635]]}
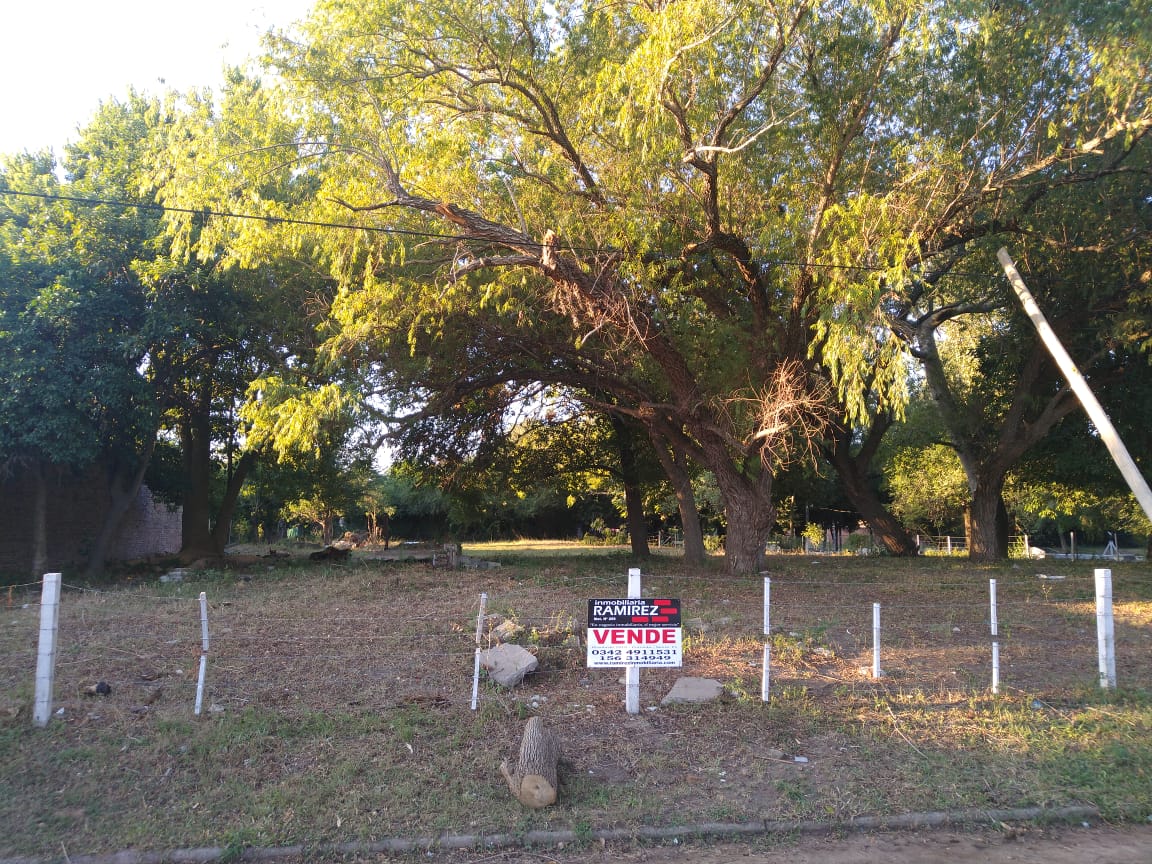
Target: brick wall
{"points": [[75, 511], [150, 528]]}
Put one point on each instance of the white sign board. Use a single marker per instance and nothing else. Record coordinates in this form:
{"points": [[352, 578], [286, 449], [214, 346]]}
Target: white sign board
{"points": [[634, 632]]}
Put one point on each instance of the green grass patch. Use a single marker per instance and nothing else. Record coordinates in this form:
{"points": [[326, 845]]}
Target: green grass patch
{"points": [[338, 702]]}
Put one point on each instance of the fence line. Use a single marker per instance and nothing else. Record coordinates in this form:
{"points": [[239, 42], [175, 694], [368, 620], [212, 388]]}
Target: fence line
{"points": [[479, 650], [292, 652], [1105, 629]]}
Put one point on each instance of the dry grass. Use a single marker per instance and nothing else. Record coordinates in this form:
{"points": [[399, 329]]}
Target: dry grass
{"points": [[337, 705]]}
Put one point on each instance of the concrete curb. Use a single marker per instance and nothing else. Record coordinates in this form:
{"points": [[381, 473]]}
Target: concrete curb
{"points": [[458, 842]]}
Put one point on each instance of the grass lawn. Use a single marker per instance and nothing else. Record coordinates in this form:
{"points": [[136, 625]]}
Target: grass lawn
{"points": [[337, 704]]}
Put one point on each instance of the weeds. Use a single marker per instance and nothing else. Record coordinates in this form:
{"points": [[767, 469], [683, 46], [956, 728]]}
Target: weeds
{"points": [[341, 706]]}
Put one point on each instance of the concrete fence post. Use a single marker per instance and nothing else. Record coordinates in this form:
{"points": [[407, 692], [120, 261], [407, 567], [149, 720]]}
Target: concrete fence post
{"points": [[46, 654]]}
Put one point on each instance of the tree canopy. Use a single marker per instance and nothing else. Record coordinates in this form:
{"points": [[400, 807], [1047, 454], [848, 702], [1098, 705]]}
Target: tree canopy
{"points": [[711, 211], [73, 321], [734, 225]]}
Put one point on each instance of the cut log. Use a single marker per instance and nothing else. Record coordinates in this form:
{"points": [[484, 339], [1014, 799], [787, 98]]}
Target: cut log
{"points": [[330, 553], [533, 783]]}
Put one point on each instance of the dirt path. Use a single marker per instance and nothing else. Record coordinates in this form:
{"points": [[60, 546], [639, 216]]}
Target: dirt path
{"points": [[1095, 845]]}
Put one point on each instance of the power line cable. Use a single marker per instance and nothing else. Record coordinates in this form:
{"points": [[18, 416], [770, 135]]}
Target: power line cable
{"points": [[407, 232], [225, 214], [992, 274]]}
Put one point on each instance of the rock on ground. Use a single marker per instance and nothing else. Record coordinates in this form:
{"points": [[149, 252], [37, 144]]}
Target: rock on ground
{"points": [[689, 689], [507, 664]]}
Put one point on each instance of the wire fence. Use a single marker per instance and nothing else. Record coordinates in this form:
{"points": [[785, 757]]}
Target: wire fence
{"points": [[375, 639], [1028, 547]]}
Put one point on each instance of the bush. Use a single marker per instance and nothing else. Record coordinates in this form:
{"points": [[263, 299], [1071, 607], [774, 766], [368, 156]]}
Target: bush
{"points": [[861, 544], [599, 534], [814, 534]]}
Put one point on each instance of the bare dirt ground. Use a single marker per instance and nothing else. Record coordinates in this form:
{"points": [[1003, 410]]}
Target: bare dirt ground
{"points": [[336, 709], [1097, 844]]}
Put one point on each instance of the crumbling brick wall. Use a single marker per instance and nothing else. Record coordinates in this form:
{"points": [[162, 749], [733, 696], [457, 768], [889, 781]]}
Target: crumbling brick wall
{"points": [[150, 527], [76, 508]]}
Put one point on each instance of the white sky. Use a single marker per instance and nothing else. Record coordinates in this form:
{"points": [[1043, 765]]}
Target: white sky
{"points": [[60, 60]]}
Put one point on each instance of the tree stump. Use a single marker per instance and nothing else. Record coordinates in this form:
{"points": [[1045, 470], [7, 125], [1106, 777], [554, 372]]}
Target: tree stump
{"points": [[534, 781]]}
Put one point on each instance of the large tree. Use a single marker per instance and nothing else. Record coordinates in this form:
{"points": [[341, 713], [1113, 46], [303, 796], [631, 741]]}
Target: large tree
{"points": [[706, 200], [229, 319], [72, 315], [133, 334], [997, 391], [1057, 169]]}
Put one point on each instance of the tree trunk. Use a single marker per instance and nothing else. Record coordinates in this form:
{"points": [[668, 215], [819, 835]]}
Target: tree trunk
{"points": [[123, 488], [201, 535], [749, 523], [750, 514], [122, 491], [533, 783], [637, 524], [1027, 420], [222, 529], [853, 472], [986, 522], [39, 520], [884, 526], [675, 467], [633, 494], [196, 517]]}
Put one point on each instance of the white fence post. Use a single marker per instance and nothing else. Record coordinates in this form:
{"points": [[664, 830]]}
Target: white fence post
{"points": [[632, 673], [767, 662], [995, 639], [476, 665], [46, 654], [203, 653], [876, 640], [1105, 630]]}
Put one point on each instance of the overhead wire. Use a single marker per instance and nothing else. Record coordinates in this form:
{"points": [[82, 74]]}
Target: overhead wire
{"points": [[226, 214], [405, 232]]}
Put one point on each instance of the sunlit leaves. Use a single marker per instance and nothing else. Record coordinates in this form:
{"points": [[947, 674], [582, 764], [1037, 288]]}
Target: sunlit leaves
{"points": [[296, 422], [734, 186], [928, 487]]}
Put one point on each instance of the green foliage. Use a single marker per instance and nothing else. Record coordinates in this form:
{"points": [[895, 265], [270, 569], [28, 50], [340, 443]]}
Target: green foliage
{"points": [[681, 153], [732, 194], [295, 421], [928, 487], [600, 534], [70, 318], [814, 534], [860, 544], [1056, 508], [111, 329]]}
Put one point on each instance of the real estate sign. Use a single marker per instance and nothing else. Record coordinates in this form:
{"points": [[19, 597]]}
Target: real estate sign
{"points": [[634, 632]]}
